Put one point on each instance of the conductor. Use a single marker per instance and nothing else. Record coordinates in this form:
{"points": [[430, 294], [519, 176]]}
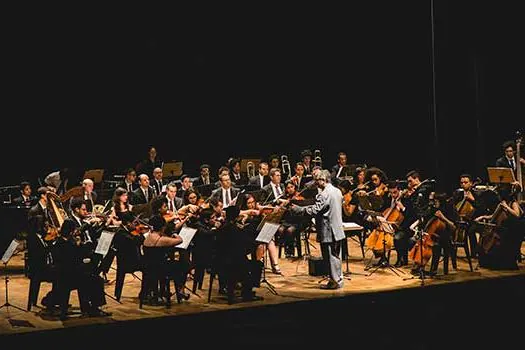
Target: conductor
{"points": [[329, 225]]}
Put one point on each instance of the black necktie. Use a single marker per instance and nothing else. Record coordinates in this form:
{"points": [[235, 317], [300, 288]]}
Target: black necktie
{"points": [[227, 197], [171, 206], [129, 187]]}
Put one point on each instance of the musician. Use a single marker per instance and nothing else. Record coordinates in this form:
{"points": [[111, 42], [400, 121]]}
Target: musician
{"points": [[338, 170], [174, 202], [89, 196], [41, 252], [275, 188], [75, 261], [360, 180], [509, 159], [306, 158], [145, 193], [262, 179], [300, 179], [130, 181], [204, 178], [240, 179], [185, 184], [329, 225], [421, 193], [223, 170], [151, 162], [160, 237], [233, 246], [465, 194], [26, 198], [504, 252], [274, 161], [225, 193], [157, 181], [378, 179], [291, 225], [443, 243]]}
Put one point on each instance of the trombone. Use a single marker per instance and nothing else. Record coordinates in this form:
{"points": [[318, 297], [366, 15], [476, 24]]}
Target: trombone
{"points": [[250, 169], [317, 161], [285, 165]]}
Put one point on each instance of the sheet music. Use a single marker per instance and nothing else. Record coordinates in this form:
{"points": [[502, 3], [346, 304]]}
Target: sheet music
{"points": [[104, 242], [267, 232], [351, 226], [186, 233], [385, 225], [9, 251]]}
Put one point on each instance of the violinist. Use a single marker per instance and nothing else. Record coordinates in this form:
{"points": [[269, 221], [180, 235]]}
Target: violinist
{"points": [[291, 225], [204, 178], [174, 202], [360, 184], [76, 263], [185, 184]]}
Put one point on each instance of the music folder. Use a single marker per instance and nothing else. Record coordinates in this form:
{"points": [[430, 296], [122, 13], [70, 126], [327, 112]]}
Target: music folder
{"points": [[267, 232], [186, 233]]}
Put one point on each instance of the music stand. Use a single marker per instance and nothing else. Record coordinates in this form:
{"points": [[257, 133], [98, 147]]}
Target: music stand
{"points": [[172, 169], [266, 233], [501, 175], [5, 259], [94, 174]]}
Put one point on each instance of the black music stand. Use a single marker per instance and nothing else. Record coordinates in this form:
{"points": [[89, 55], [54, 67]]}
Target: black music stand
{"points": [[265, 236], [5, 259], [501, 175]]}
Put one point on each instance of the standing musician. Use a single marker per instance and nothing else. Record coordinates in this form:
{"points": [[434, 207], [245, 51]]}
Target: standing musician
{"points": [[509, 159], [41, 251], [329, 226], [76, 263], [261, 179]]}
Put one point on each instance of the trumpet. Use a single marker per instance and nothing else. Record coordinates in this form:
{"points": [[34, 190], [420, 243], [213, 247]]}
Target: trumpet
{"points": [[317, 161], [250, 169], [285, 164]]}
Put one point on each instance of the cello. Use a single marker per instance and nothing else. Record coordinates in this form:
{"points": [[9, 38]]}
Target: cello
{"points": [[421, 252]]}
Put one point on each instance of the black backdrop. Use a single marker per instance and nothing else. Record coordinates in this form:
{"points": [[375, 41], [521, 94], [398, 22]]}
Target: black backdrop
{"points": [[204, 84]]}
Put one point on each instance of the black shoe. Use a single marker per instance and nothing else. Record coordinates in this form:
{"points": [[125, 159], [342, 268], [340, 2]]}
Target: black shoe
{"points": [[223, 291], [96, 312], [182, 295], [251, 297]]}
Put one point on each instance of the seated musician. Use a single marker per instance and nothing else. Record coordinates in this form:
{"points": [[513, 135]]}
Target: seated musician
{"points": [[174, 202], [225, 192], [41, 252], [204, 178], [233, 246], [77, 264], [306, 159], [463, 197], [185, 184], [502, 247], [262, 179], [292, 225], [378, 180], [89, 196], [240, 179], [130, 181], [160, 238], [145, 193], [300, 178], [223, 170], [443, 243], [157, 182], [26, 198], [339, 170]]}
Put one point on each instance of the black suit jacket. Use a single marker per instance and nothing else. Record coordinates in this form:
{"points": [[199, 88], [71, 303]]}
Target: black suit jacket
{"points": [[134, 186], [217, 193], [503, 162], [37, 220], [255, 181], [243, 180], [157, 187], [200, 181], [138, 196], [29, 203], [268, 193]]}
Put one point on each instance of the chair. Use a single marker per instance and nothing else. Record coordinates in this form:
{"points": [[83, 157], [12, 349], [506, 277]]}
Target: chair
{"points": [[465, 244]]}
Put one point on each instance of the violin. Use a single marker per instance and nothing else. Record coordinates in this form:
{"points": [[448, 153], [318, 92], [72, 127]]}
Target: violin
{"points": [[51, 234]]}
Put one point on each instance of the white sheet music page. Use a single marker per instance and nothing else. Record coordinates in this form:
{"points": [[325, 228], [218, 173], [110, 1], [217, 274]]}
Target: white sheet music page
{"points": [[186, 233], [9, 251], [267, 232], [104, 242], [351, 226]]}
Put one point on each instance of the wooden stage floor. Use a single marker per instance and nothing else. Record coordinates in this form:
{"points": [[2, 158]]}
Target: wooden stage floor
{"points": [[295, 285]]}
